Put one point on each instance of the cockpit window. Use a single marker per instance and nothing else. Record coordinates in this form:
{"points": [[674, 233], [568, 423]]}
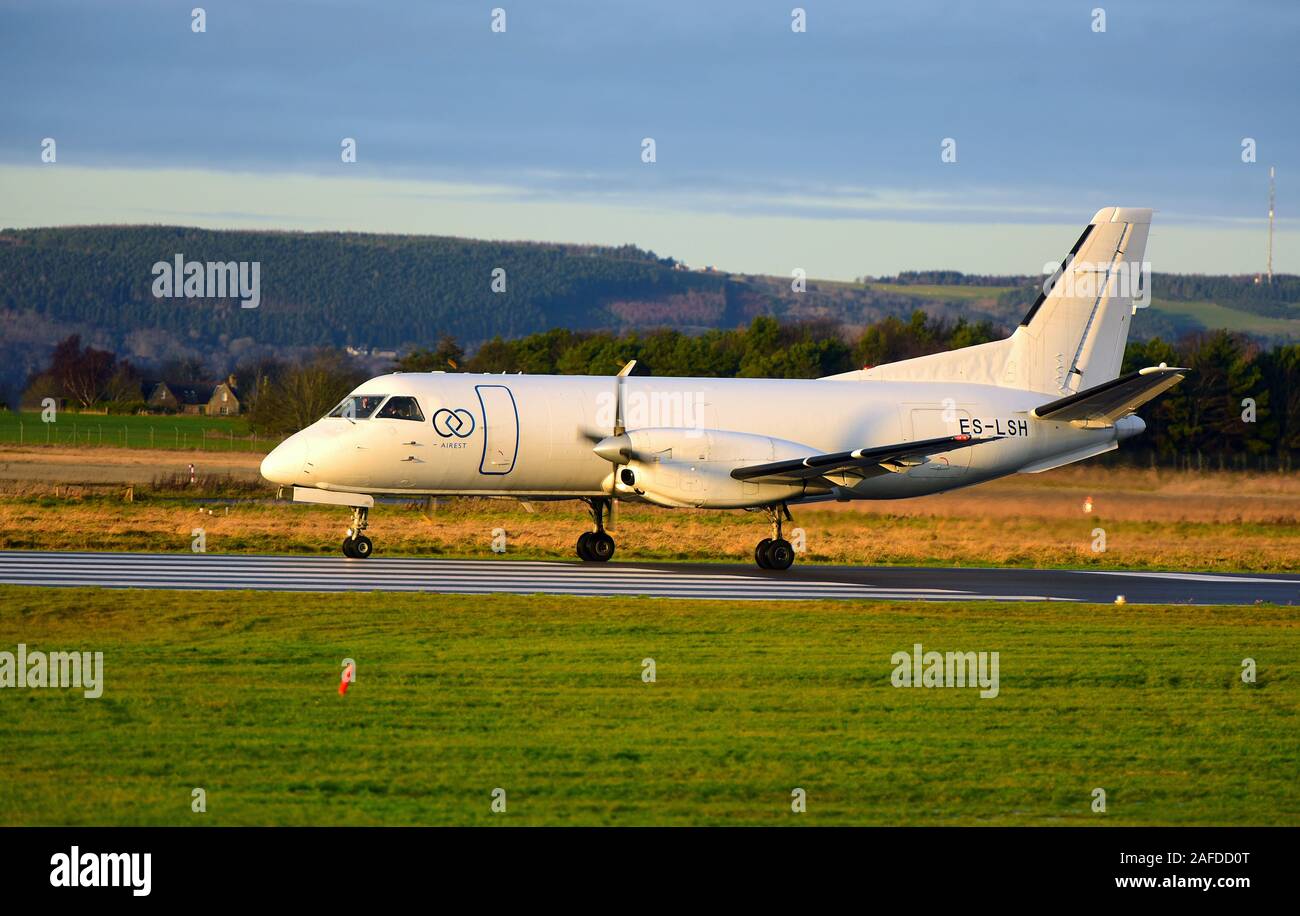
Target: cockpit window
{"points": [[358, 406], [401, 408]]}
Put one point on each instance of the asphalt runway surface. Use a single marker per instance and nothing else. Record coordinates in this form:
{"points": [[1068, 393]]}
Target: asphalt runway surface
{"points": [[730, 582]]}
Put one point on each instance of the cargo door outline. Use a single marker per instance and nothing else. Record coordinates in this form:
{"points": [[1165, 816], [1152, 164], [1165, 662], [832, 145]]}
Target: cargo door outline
{"points": [[500, 429], [929, 423]]}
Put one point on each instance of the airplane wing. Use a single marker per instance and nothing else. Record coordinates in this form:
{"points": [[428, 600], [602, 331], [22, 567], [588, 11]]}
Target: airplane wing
{"points": [[900, 455], [1103, 404]]}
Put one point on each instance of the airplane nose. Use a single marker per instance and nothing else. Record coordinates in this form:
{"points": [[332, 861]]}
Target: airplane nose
{"points": [[284, 464]]}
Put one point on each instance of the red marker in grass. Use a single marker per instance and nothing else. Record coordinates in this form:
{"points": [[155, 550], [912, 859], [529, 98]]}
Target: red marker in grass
{"points": [[349, 674]]}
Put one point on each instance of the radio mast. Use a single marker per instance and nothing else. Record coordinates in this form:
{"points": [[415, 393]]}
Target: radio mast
{"points": [[1270, 223]]}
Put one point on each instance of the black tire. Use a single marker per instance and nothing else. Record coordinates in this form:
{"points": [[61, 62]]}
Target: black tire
{"points": [[347, 549], [584, 546], [601, 547], [362, 547], [760, 553], [780, 554]]}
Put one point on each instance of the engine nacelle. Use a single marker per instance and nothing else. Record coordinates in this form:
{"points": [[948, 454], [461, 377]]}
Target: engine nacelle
{"points": [[691, 468]]}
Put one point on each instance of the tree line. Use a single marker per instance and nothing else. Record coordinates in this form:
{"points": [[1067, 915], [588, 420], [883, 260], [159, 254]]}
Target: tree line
{"points": [[766, 348]]}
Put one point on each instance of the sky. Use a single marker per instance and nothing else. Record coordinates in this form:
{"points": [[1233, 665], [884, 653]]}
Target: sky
{"points": [[774, 149]]}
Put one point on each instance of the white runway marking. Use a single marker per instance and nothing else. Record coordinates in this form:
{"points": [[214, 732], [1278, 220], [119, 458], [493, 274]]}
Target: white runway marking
{"points": [[330, 574], [1191, 577]]}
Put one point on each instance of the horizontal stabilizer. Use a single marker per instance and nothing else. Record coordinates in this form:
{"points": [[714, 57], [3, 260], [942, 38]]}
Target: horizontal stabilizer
{"points": [[1103, 404], [903, 453]]}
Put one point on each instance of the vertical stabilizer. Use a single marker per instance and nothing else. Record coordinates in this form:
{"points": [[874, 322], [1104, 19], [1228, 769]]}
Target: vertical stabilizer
{"points": [[1073, 336]]}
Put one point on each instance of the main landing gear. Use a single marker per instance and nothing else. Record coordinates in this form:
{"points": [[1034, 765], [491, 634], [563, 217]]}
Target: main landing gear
{"points": [[775, 552], [356, 545], [597, 546]]}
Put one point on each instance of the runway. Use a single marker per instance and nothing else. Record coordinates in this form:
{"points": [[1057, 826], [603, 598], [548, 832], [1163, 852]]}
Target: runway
{"points": [[730, 582]]}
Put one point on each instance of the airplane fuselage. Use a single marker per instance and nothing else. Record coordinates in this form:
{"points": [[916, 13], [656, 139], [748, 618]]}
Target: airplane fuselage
{"points": [[532, 436]]}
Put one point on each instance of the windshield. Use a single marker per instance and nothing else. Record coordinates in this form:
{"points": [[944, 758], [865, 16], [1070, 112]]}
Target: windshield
{"points": [[357, 406], [399, 407]]}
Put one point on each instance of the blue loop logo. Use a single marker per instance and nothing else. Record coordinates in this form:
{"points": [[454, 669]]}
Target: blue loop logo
{"points": [[458, 423]]}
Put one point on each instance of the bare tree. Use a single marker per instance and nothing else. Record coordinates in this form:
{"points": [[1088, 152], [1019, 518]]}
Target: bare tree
{"points": [[83, 374], [302, 393]]}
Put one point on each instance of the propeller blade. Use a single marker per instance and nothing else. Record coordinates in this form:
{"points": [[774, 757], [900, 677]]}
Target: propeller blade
{"points": [[619, 428]]}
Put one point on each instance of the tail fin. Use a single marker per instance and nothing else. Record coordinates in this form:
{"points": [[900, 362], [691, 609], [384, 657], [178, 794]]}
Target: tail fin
{"points": [[1073, 336]]}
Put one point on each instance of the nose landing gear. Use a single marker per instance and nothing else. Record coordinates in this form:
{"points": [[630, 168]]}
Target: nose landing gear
{"points": [[597, 546], [356, 545], [775, 552]]}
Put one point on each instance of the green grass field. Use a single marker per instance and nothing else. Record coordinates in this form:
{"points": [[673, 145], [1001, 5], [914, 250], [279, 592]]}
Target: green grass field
{"points": [[941, 290], [1207, 314], [543, 697], [1213, 315], [178, 431]]}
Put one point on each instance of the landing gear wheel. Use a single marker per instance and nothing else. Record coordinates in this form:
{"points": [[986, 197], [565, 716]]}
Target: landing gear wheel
{"points": [[597, 546], [600, 547], [780, 554], [356, 545], [775, 552]]}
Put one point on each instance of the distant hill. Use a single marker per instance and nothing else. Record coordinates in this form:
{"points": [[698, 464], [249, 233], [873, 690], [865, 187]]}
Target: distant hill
{"points": [[395, 292]]}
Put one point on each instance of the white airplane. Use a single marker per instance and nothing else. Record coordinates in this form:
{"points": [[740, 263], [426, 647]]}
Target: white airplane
{"points": [[1048, 395]]}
